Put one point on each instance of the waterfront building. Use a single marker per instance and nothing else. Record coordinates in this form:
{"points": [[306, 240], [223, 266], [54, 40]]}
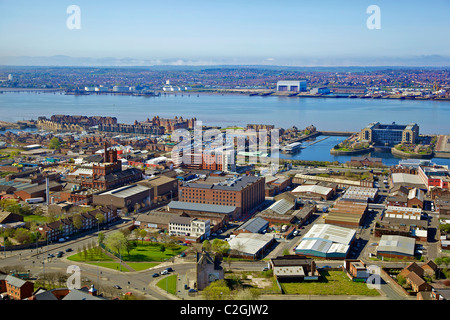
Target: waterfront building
{"points": [[320, 90], [390, 134], [291, 86], [121, 89]]}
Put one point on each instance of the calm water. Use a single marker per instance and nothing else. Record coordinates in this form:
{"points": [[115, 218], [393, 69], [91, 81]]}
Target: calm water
{"points": [[325, 113], [228, 110], [321, 152]]}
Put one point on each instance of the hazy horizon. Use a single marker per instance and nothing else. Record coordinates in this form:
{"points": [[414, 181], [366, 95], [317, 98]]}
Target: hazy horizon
{"points": [[287, 33]]}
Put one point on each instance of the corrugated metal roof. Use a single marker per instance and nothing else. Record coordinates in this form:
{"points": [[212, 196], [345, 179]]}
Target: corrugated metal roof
{"points": [[254, 225], [281, 206], [397, 244]]}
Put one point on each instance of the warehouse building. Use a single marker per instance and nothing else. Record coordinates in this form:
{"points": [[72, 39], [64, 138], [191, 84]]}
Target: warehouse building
{"points": [[127, 199], [313, 192], [347, 214], [291, 86], [251, 245], [393, 246], [326, 241], [254, 225]]}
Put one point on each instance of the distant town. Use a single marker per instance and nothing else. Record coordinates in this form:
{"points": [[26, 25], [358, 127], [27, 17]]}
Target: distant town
{"points": [[143, 218], [351, 82]]}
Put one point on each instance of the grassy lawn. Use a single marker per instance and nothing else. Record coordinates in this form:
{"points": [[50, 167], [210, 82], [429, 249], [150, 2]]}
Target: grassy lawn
{"points": [[151, 252], [35, 218], [91, 255], [331, 283], [139, 266], [169, 283]]}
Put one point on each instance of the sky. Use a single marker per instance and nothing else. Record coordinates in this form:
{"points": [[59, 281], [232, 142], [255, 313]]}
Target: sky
{"points": [[197, 32]]}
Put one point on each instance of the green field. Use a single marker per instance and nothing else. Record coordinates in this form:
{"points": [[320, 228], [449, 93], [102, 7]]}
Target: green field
{"points": [[169, 283], [91, 255], [139, 266], [331, 283], [35, 218], [148, 252]]}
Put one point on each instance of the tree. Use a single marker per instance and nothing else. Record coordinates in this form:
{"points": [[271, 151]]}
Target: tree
{"points": [[217, 290], [116, 241], [77, 221], [55, 143], [22, 236], [206, 245], [220, 246], [142, 234], [101, 237], [100, 218]]}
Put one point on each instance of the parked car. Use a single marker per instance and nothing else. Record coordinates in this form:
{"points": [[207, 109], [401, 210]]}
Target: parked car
{"points": [[164, 272], [117, 287], [68, 249], [169, 269], [50, 255], [192, 290], [60, 254], [155, 275]]}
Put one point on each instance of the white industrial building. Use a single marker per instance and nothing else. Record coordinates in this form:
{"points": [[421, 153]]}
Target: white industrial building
{"points": [[291, 86], [326, 241], [251, 245]]}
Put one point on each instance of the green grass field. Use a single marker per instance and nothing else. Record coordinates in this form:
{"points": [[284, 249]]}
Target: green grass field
{"points": [[331, 283], [169, 283], [139, 266], [35, 218], [151, 252], [91, 255]]}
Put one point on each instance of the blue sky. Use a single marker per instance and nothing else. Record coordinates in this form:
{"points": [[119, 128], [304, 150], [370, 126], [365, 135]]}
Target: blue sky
{"points": [[231, 32]]}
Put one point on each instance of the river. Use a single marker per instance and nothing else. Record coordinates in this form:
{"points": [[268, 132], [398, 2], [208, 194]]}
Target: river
{"points": [[327, 114]]}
